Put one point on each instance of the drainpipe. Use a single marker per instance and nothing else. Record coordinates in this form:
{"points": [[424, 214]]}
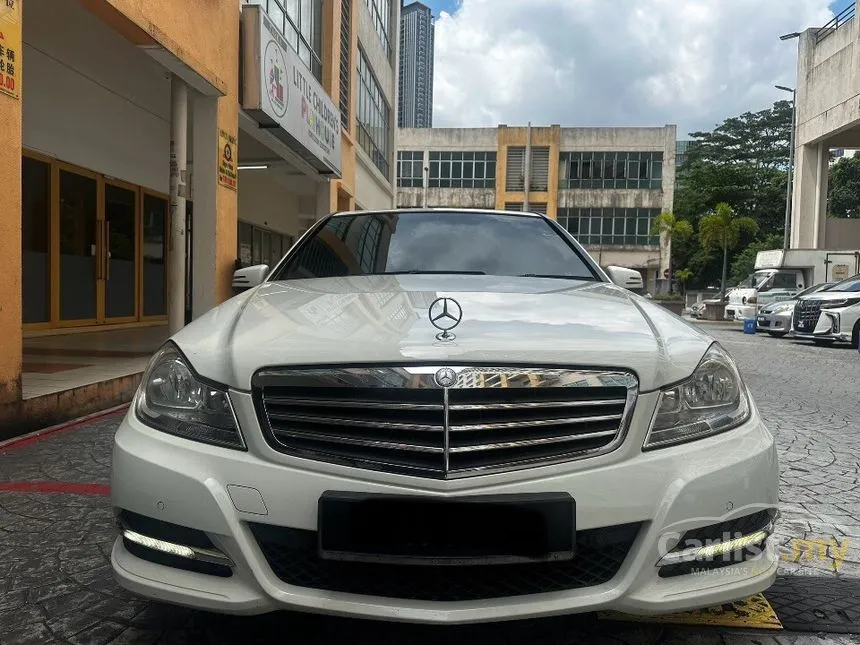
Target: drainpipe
{"points": [[178, 170], [527, 167]]}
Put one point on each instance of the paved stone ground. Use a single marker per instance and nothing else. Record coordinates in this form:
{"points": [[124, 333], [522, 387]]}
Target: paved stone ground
{"points": [[56, 585]]}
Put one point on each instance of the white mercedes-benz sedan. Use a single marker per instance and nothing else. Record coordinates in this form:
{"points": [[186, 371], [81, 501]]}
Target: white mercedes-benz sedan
{"points": [[446, 417]]}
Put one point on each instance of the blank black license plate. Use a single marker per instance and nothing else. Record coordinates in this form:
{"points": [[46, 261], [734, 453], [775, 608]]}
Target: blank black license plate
{"points": [[495, 529]]}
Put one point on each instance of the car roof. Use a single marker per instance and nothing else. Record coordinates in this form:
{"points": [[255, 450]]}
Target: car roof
{"points": [[429, 209]]}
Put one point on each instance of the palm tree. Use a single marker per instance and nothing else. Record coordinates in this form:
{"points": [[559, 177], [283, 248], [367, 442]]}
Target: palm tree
{"points": [[722, 230], [667, 226], [683, 276]]}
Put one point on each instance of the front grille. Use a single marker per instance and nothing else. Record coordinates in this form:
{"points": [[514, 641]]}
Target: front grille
{"points": [[806, 315], [398, 419], [293, 558]]}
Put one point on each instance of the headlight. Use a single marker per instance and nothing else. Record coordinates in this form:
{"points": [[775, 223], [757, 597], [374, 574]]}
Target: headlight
{"points": [[712, 400], [838, 304], [172, 399], [780, 306]]}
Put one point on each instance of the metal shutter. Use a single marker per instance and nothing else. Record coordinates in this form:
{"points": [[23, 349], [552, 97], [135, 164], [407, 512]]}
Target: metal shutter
{"points": [[515, 177], [539, 170]]}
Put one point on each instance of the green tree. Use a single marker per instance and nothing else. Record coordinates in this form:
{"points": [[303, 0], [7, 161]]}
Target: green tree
{"points": [[844, 188], [668, 227], [744, 262], [722, 230], [683, 276], [741, 162]]}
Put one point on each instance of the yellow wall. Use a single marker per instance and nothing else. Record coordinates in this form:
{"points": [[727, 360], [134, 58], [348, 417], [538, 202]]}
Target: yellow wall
{"points": [[517, 137], [342, 190], [204, 35], [10, 245]]}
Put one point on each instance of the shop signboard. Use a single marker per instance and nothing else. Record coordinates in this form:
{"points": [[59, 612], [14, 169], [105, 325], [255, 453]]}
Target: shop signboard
{"points": [[281, 94], [10, 47], [227, 158]]}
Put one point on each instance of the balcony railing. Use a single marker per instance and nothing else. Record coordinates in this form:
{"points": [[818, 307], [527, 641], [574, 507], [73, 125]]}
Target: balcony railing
{"points": [[838, 20]]}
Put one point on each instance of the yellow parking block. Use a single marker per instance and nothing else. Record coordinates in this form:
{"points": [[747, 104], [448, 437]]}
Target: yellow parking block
{"points": [[753, 612]]}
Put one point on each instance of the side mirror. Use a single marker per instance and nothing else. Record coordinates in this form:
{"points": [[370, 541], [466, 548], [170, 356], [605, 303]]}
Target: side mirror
{"points": [[250, 277]]}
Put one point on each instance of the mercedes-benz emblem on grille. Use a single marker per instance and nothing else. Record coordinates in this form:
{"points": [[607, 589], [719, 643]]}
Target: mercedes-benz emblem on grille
{"points": [[445, 314], [445, 377]]}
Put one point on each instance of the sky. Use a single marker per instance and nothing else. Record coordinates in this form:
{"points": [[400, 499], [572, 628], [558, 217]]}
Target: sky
{"points": [[614, 62]]}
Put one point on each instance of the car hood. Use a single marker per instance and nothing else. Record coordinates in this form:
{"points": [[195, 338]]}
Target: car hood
{"points": [[831, 295], [385, 319]]}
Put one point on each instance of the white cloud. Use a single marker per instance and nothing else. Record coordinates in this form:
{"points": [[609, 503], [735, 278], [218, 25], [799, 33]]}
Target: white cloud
{"points": [[614, 62]]}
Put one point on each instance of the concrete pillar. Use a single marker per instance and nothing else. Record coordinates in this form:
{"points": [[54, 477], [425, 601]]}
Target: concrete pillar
{"points": [[178, 176], [809, 205], [323, 206], [10, 244], [204, 234]]}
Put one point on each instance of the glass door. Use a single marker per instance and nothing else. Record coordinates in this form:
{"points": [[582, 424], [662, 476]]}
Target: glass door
{"points": [[79, 247], [153, 268], [120, 237]]}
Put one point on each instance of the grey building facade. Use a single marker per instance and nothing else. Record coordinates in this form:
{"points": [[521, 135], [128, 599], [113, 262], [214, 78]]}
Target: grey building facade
{"points": [[604, 185], [415, 81]]}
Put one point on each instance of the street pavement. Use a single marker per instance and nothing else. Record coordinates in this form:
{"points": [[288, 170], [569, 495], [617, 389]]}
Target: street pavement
{"points": [[56, 531]]}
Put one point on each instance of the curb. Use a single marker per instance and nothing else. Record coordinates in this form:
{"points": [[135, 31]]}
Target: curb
{"points": [[44, 433]]}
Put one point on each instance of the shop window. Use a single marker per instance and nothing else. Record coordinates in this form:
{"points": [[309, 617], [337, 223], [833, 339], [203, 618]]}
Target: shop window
{"points": [[374, 114], [120, 277], [78, 240], [246, 244], [154, 246], [35, 240]]}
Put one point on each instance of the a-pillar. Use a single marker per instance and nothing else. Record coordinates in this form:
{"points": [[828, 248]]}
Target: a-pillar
{"points": [[215, 205], [10, 247], [809, 201]]}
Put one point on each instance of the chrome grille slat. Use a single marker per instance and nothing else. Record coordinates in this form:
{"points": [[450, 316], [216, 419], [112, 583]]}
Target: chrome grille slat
{"points": [[357, 441], [538, 423], [531, 442], [343, 421], [346, 403], [459, 407], [397, 419]]}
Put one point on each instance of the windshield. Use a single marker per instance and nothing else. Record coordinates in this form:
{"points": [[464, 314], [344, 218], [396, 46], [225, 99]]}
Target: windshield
{"points": [[754, 280], [851, 284], [435, 242], [824, 286]]}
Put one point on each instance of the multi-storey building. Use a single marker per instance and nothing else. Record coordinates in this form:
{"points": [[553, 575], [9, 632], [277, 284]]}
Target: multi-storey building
{"points": [[415, 81], [605, 185], [147, 149]]}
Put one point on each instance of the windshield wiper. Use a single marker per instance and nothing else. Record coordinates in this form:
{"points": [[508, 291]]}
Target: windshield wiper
{"points": [[558, 276], [420, 271]]}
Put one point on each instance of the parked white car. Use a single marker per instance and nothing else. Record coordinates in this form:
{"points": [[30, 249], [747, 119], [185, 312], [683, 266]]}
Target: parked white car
{"points": [[775, 318], [442, 417], [830, 316]]}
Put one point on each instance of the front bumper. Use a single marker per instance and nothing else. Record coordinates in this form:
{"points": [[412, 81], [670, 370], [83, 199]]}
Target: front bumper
{"points": [[774, 322], [224, 492], [829, 327]]}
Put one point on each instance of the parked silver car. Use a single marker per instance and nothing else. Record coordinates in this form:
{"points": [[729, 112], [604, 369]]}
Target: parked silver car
{"points": [[775, 318]]}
